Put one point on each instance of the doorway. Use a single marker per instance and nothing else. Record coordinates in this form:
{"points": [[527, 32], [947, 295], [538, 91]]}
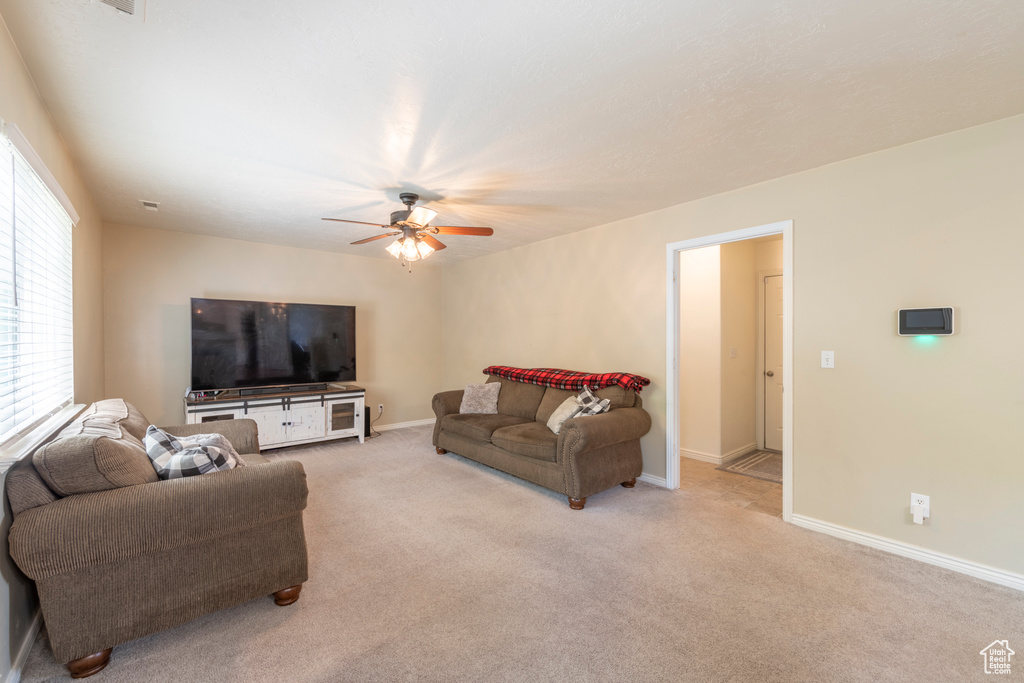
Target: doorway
{"points": [[784, 373]]}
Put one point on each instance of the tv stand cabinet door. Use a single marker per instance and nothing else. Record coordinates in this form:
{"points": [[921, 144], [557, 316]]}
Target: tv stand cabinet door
{"points": [[305, 422], [344, 417], [272, 423]]}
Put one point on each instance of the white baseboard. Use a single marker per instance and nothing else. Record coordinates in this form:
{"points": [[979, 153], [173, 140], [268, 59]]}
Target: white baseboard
{"points": [[403, 425], [651, 479], [738, 452], [718, 459], [698, 455], [980, 571], [18, 662]]}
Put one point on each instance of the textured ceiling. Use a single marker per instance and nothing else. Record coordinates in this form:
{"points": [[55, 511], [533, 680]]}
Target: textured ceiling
{"points": [[253, 119]]}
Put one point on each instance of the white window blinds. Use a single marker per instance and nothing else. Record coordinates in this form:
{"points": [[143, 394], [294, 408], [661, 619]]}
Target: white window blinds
{"points": [[36, 363]]}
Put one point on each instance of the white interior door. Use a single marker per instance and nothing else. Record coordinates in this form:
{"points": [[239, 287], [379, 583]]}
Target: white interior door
{"points": [[773, 362]]}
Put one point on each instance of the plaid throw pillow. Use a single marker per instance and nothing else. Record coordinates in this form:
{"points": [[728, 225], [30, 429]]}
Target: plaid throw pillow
{"points": [[175, 458], [590, 404]]}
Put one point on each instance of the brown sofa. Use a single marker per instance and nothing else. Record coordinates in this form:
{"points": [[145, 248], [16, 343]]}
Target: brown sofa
{"points": [[588, 455], [117, 554]]}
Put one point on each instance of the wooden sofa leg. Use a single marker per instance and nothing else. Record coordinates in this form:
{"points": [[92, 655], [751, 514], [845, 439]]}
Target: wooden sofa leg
{"points": [[89, 664], [577, 503], [629, 484], [442, 451], [287, 596]]}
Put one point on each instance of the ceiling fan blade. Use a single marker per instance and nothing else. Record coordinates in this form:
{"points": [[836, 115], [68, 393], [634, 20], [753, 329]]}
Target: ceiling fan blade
{"points": [[457, 230], [345, 220], [420, 216], [438, 246], [376, 237]]}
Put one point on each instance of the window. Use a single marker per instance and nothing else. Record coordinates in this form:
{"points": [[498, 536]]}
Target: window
{"points": [[36, 361]]}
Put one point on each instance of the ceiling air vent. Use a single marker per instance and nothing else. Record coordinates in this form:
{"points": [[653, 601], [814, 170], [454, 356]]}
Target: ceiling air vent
{"points": [[126, 6], [149, 206]]}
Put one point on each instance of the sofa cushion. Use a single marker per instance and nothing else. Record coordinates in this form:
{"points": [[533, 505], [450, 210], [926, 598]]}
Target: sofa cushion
{"points": [[478, 427], [619, 397], [518, 399], [532, 439], [93, 454]]}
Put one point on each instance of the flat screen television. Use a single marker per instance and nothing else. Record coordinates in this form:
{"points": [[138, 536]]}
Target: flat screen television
{"points": [[247, 344]]}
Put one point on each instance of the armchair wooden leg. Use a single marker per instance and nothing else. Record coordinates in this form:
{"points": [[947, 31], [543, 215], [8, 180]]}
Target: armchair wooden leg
{"points": [[629, 484], [287, 596], [577, 503], [89, 664], [441, 451]]}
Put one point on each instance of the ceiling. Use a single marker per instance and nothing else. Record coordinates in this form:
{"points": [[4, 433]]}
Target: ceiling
{"points": [[253, 119]]}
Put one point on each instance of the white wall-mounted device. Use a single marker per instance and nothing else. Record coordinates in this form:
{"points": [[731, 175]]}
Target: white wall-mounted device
{"points": [[912, 322]]}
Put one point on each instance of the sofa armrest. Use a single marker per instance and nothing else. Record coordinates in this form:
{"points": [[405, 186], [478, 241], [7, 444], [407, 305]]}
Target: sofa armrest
{"points": [[243, 434], [445, 403], [94, 529], [581, 434]]}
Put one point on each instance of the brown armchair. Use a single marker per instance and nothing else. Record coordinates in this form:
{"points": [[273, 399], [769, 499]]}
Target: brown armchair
{"points": [[138, 557]]}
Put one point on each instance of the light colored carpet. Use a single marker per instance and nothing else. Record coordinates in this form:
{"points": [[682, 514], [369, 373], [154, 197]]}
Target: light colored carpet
{"points": [[432, 568], [766, 465]]}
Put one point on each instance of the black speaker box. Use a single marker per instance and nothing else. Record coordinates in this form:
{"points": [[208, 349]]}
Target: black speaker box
{"points": [[366, 424]]}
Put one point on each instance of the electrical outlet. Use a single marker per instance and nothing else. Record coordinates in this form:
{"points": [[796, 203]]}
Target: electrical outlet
{"points": [[380, 409], [920, 507]]}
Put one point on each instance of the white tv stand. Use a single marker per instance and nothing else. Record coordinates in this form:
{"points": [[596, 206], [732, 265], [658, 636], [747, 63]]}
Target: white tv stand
{"points": [[286, 417]]}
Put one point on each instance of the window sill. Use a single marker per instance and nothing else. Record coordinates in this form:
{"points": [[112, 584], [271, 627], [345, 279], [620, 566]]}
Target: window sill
{"points": [[16, 450]]}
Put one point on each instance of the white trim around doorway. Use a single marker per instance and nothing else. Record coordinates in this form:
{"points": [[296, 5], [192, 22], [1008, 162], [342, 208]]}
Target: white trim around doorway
{"points": [[672, 349]]}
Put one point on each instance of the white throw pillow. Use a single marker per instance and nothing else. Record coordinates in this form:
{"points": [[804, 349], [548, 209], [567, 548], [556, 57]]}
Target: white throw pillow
{"points": [[570, 408], [481, 398]]}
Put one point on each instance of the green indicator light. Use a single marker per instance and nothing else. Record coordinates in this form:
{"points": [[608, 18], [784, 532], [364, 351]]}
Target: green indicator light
{"points": [[925, 339]]}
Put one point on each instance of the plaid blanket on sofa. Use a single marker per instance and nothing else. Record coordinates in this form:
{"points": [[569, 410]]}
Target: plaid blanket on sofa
{"points": [[567, 379]]}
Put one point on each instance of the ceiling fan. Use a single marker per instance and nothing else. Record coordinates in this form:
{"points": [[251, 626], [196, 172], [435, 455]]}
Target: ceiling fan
{"points": [[416, 239]]}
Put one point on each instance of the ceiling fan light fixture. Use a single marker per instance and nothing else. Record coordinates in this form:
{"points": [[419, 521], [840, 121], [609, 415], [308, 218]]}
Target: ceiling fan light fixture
{"points": [[409, 250], [416, 242]]}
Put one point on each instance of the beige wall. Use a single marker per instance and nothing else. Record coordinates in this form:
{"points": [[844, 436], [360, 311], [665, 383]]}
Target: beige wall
{"points": [[739, 317], [768, 254], [20, 105], [931, 223], [150, 275], [700, 353]]}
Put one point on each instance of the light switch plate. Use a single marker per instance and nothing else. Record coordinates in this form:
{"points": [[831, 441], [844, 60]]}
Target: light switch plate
{"points": [[828, 359]]}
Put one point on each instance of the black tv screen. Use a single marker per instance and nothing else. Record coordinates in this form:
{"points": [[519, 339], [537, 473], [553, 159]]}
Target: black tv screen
{"points": [[238, 344]]}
